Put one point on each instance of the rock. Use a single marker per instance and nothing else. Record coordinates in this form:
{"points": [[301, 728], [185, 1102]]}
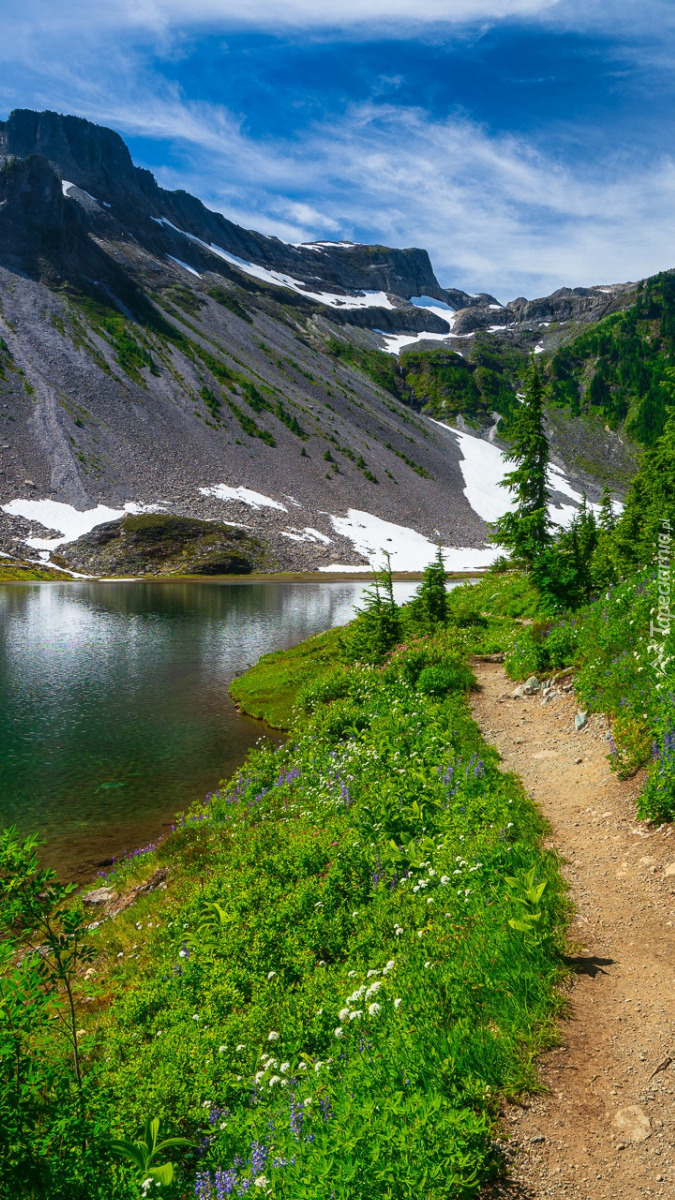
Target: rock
{"points": [[580, 720], [669, 870], [518, 693], [531, 685], [101, 895], [577, 761], [538, 1137], [633, 1123]]}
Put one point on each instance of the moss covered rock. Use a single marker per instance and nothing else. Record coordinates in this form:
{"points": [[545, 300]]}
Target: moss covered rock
{"points": [[164, 544]]}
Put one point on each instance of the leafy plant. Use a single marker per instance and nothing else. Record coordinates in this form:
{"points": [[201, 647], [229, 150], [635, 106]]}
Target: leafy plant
{"points": [[144, 1153]]}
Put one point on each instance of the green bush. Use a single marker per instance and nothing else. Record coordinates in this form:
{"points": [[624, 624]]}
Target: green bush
{"points": [[437, 681]]}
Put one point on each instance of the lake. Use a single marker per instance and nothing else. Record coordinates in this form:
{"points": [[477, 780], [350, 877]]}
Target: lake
{"points": [[114, 704]]}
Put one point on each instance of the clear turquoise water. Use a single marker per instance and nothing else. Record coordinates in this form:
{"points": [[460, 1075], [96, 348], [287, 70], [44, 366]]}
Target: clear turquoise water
{"points": [[114, 705]]}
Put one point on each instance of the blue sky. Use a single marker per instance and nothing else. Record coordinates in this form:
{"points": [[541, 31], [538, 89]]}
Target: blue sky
{"points": [[527, 144]]}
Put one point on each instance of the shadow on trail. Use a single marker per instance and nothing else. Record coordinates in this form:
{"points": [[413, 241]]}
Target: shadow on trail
{"points": [[590, 965]]}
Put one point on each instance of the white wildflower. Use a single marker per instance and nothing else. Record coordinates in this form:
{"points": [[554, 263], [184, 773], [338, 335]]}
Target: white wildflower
{"points": [[374, 1009], [343, 1014], [319, 1012], [374, 988], [271, 974], [397, 1001], [261, 1181], [273, 1036], [284, 1068], [259, 1075], [369, 974], [354, 1016], [241, 1046], [338, 1033], [351, 974], [207, 1103], [302, 1066], [307, 1102], [390, 965], [445, 879], [273, 1080]]}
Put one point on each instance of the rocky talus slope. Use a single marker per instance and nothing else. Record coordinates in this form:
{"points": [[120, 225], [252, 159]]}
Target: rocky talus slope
{"points": [[155, 356]]}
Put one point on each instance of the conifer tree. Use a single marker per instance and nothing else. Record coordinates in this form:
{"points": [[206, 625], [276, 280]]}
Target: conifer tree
{"points": [[429, 606], [607, 520], [377, 628], [525, 531]]}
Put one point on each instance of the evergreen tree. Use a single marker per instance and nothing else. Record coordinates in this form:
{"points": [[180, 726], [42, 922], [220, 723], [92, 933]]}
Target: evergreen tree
{"points": [[377, 628], [607, 518], [429, 606], [525, 531]]}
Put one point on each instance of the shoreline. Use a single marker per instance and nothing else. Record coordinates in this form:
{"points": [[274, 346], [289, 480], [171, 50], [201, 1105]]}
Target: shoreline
{"points": [[254, 577]]}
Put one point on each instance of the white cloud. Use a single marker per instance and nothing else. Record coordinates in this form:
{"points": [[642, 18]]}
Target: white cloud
{"points": [[495, 212]]}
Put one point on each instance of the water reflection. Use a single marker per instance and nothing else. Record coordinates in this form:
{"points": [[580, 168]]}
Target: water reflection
{"points": [[114, 705]]}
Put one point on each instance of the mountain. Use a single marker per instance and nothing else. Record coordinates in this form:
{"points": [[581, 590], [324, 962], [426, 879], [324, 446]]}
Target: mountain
{"points": [[154, 356]]}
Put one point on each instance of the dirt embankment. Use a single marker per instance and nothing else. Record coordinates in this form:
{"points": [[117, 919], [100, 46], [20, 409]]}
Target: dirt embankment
{"points": [[606, 1128]]}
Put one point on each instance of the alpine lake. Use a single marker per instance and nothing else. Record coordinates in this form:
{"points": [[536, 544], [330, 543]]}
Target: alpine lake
{"points": [[115, 712]]}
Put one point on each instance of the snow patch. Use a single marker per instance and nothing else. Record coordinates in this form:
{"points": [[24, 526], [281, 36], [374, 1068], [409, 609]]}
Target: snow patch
{"points": [[364, 299], [66, 186], [539, 349], [395, 342], [187, 267], [483, 468], [254, 499], [71, 523], [410, 550], [306, 535]]}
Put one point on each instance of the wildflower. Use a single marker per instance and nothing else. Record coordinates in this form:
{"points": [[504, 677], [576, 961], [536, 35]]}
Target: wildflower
{"points": [[369, 974], [338, 1033], [207, 1103], [259, 1075], [302, 1066], [271, 974], [390, 965], [374, 987], [427, 964], [273, 1036], [354, 1016], [397, 1001], [273, 1080], [222, 1049], [355, 914], [195, 1016], [241, 1046], [261, 1181], [343, 1014], [284, 1068], [374, 1009], [351, 974], [445, 879], [319, 1012]]}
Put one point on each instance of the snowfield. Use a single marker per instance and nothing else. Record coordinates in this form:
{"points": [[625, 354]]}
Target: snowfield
{"points": [[70, 523], [409, 550], [254, 499]]}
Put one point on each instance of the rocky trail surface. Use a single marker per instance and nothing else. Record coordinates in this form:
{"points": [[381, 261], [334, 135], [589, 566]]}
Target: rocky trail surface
{"points": [[605, 1126]]}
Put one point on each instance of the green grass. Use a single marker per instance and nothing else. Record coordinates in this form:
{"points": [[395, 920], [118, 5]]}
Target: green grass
{"points": [[358, 953], [269, 690]]}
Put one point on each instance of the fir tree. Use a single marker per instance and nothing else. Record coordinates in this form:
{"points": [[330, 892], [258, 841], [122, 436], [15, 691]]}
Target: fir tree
{"points": [[429, 606], [377, 628], [607, 518], [525, 531]]}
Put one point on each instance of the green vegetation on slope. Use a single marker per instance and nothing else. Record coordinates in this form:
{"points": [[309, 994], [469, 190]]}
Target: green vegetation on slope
{"points": [[616, 368], [357, 954], [443, 384]]}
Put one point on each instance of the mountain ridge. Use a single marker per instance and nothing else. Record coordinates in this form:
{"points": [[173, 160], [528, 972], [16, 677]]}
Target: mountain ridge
{"points": [[152, 353]]}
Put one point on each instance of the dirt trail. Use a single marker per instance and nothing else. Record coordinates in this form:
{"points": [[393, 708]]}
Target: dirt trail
{"points": [[611, 1082]]}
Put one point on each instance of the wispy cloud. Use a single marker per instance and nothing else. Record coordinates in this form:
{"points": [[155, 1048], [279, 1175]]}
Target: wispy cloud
{"points": [[495, 212]]}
